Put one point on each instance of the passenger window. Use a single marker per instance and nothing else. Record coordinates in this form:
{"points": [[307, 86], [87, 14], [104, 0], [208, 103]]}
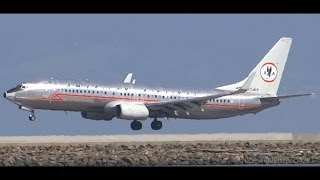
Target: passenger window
{"points": [[113, 93], [80, 91], [148, 96], [155, 96], [105, 92], [124, 94], [88, 91], [85, 91], [131, 94], [163, 97], [120, 94], [66, 90], [92, 92], [77, 91], [97, 92], [73, 91], [139, 95]]}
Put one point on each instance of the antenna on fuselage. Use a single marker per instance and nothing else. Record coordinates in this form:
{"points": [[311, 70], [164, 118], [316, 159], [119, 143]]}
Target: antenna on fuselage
{"points": [[51, 79]]}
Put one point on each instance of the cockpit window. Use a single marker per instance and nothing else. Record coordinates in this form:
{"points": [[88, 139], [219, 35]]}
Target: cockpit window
{"points": [[17, 88]]}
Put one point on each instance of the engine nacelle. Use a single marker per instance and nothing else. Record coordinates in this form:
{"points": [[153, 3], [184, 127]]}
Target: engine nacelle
{"points": [[132, 111], [97, 116]]}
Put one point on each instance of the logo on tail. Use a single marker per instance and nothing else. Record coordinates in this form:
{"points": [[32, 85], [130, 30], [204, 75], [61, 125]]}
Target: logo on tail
{"points": [[269, 72]]}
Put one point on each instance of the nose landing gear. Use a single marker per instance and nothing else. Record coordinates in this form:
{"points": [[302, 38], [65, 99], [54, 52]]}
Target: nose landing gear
{"points": [[32, 117]]}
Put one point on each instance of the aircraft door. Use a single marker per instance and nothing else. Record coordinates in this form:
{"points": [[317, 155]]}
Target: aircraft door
{"points": [[241, 103]]}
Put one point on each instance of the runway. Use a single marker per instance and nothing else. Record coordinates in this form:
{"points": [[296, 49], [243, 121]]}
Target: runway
{"points": [[161, 138], [161, 149]]}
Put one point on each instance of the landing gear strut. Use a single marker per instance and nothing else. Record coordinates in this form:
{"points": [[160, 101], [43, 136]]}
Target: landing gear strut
{"points": [[32, 117], [136, 125], [156, 125]]}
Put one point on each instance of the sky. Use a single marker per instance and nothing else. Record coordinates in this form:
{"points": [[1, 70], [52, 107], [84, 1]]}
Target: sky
{"points": [[191, 51]]}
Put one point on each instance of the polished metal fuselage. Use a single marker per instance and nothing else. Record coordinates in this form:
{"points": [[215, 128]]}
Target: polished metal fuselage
{"points": [[88, 97]]}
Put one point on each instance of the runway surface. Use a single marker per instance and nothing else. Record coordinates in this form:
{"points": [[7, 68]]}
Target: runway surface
{"points": [[162, 138]]}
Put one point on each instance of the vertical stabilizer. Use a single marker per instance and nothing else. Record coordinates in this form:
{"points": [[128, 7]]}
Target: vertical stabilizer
{"points": [[268, 72]]}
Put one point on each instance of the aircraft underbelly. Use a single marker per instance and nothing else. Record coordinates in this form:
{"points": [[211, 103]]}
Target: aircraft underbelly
{"points": [[212, 112], [69, 104]]}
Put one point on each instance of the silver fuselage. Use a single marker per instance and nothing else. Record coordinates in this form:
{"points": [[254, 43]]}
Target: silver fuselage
{"points": [[88, 97]]}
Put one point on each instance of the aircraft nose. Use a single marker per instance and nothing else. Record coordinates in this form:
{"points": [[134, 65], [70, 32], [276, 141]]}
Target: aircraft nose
{"points": [[9, 96]]}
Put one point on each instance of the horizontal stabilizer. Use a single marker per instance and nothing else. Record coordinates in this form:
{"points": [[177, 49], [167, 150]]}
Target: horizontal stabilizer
{"points": [[287, 96]]}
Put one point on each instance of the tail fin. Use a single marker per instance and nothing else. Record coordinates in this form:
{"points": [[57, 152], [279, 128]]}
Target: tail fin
{"points": [[268, 72]]}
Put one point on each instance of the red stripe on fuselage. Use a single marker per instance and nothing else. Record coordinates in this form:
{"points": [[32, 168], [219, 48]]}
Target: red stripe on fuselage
{"points": [[104, 97]]}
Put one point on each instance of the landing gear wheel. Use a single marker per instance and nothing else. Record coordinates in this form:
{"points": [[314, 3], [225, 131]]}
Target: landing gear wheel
{"points": [[32, 117], [156, 125], [136, 125]]}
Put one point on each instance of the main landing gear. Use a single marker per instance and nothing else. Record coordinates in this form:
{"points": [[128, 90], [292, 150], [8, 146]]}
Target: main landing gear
{"points": [[136, 125], [155, 125]]}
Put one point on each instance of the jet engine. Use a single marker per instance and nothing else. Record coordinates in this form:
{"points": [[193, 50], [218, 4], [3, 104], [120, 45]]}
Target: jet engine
{"points": [[96, 116], [131, 111]]}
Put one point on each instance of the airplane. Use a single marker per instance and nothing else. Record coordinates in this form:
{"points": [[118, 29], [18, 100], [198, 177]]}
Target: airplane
{"points": [[258, 91]]}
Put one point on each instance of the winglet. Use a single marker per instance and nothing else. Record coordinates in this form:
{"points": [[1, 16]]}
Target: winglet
{"points": [[128, 79]]}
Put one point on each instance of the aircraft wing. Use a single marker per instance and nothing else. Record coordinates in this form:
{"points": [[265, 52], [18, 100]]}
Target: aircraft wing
{"points": [[198, 101]]}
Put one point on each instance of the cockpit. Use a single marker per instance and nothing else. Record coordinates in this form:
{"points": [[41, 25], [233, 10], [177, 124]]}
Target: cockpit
{"points": [[19, 87]]}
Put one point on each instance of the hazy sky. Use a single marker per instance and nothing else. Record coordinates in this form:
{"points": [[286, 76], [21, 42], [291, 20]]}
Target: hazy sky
{"points": [[194, 51]]}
